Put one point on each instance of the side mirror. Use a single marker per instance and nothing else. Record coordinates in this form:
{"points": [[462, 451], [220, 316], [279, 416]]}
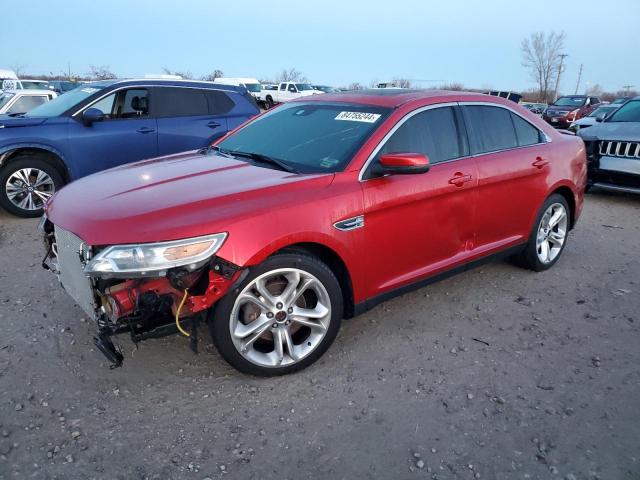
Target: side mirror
{"points": [[91, 115], [402, 164], [600, 118]]}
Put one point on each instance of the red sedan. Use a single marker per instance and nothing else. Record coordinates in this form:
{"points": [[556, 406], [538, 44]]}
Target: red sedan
{"points": [[313, 212]]}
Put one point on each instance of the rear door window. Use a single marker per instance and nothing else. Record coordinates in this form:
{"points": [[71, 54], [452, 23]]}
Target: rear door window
{"points": [[180, 102], [491, 128], [433, 132]]}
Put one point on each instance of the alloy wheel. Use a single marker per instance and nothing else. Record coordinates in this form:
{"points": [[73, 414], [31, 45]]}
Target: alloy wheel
{"points": [[280, 317], [29, 188], [552, 233]]}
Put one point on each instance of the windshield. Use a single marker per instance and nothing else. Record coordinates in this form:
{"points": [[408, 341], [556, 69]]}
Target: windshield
{"points": [[303, 86], [311, 138], [4, 98], [253, 87], [34, 85], [620, 100], [629, 112], [600, 111], [64, 102], [570, 102]]}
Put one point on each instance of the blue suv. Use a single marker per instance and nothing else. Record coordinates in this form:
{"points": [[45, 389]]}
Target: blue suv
{"points": [[104, 124]]}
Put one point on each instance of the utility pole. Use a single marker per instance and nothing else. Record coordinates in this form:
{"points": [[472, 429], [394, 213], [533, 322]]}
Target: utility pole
{"points": [[627, 88], [562, 57], [69, 67], [579, 77]]}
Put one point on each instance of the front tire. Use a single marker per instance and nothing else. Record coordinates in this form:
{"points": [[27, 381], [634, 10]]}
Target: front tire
{"points": [[26, 183], [548, 236], [281, 318]]}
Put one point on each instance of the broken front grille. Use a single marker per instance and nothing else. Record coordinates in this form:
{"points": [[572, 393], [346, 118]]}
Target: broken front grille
{"points": [[610, 148]]}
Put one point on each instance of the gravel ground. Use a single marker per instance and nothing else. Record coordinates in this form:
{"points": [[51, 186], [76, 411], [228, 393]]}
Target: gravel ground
{"points": [[498, 373]]}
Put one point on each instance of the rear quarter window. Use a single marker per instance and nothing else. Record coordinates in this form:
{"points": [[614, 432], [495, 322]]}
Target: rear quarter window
{"points": [[218, 102], [526, 134]]}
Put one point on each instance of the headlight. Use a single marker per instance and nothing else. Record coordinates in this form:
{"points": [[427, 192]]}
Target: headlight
{"points": [[154, 258]]}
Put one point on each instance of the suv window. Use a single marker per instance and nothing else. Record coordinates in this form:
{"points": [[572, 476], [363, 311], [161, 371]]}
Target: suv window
{"points": [[283, 86], [433, 132], [219, 102], [491, 128], [526, 133], [180, 102], [595, 100], [129, 103], [26, 103]]}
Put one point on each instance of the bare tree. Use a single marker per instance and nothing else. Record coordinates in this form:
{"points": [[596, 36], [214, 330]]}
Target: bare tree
{"points": [[541, 55], [101, 72], [290, 75], [210, 77], [19, 69], [595, 90], [186, 74], [455, 86], [355, 86], [402, 82]]}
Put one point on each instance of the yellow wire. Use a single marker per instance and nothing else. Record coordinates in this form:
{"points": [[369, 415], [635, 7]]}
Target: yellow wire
{"points": [[182, 330]]}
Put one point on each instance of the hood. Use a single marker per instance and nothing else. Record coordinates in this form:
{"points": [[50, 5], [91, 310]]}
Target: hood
{"points": [[621, 131], [586, 121], [559, 109], [7, 121], [169, 198]]}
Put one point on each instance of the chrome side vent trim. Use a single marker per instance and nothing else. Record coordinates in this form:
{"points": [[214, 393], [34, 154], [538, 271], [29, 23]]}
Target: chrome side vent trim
{"points": [[350, 223]]}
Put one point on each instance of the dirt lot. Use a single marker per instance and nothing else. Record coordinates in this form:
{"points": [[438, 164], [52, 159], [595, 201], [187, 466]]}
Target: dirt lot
{"points": [[498, 373]]}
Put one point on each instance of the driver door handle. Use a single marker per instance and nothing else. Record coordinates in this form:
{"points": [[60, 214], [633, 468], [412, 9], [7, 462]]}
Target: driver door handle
{"points": [[146, 130], [213, 124], [460, 179]]}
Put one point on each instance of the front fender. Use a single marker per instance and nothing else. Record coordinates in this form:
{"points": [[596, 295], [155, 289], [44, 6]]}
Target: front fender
{"points": [[5, 150]]}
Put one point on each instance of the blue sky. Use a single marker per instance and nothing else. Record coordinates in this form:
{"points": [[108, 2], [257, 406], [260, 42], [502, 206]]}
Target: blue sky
{"points": [[476, 43]]}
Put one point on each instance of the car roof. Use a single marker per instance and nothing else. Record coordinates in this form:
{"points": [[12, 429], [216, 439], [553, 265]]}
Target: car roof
{"points": [[30, 91], [167, 82], [386, 97]]}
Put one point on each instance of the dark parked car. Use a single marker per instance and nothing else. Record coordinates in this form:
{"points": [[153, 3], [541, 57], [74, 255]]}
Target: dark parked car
{"points": [[613, 150], [104, 124], [63, 86], [569, 109]]}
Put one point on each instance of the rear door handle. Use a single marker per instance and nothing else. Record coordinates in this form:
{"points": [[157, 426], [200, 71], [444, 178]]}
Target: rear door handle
{"points": [[213, 124], [540, 162], [146, 130], [460, 179]]}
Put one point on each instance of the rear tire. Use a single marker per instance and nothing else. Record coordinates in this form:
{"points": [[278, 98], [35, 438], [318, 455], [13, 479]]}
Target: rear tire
{"points": [[26, 183], [548, 236], [281, 318]]}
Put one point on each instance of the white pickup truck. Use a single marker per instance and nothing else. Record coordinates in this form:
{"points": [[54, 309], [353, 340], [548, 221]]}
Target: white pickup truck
{"points": [[287, 91]]}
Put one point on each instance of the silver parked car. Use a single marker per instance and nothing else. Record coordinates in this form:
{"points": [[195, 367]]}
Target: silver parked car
{"points": [[598, 114], [22, 101]]}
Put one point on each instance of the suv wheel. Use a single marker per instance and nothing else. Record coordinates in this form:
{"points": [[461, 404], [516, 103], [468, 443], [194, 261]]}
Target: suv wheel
{"points": [[281, 318], [549, 235], [26, 183]]}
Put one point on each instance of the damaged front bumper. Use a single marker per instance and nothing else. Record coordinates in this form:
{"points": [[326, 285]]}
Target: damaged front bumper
{"points": [[144, 304]]}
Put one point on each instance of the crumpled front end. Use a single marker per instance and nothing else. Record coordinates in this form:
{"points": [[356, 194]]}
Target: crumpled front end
{"points": [[148, 290]]}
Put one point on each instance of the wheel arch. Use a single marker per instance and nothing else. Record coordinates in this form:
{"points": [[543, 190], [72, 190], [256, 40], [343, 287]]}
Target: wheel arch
{"points": [[567, 193], [337, 265], [52, 155]]}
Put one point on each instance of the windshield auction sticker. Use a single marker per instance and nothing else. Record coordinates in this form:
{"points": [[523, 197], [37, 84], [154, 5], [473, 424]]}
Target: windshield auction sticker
{"points": [[358, 117]]}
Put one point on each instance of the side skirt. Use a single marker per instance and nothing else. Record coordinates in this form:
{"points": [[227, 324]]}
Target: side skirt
{"points": [[369, 303]]}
